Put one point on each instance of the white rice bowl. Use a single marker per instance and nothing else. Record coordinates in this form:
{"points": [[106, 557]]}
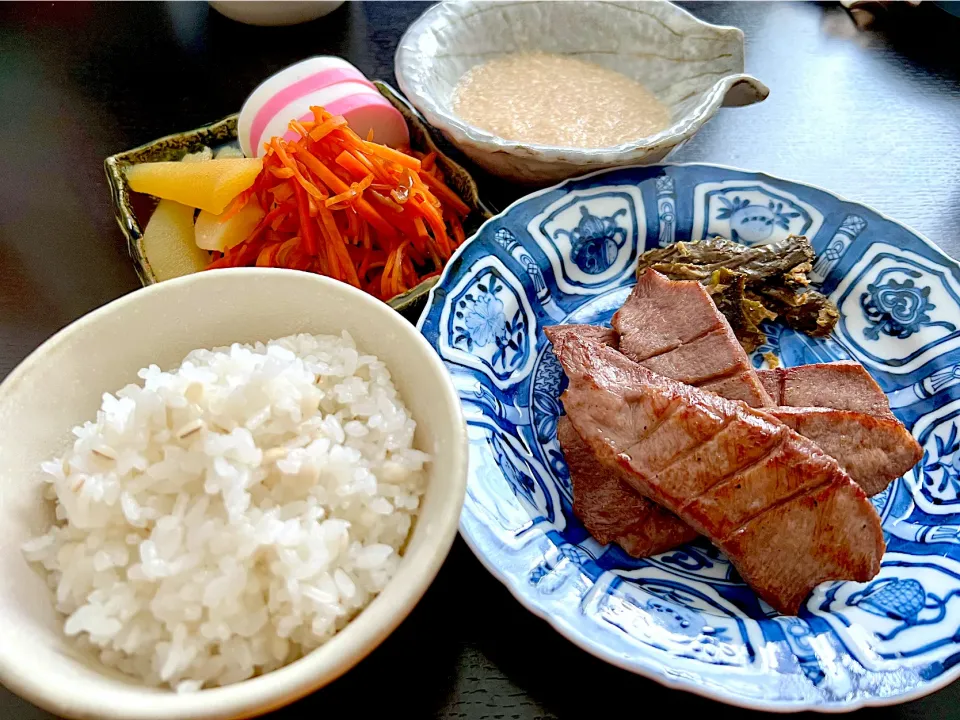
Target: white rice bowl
{"points": [[227, 517]]}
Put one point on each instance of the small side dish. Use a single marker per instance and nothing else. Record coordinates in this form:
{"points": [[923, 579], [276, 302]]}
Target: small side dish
{"points": [[692, 68], [222, 519], [383, 206], [377, 218], [274, 12], [328, 202]]}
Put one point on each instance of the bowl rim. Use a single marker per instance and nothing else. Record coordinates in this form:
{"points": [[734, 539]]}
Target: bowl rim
{"points": [[358, 638], [463, 132]]}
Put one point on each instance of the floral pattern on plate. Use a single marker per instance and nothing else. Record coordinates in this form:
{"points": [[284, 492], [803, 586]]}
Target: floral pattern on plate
{"points": [[684, 618]]}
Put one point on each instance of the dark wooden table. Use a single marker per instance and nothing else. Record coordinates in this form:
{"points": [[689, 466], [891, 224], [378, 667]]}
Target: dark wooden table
{"points": [[873, 116]]}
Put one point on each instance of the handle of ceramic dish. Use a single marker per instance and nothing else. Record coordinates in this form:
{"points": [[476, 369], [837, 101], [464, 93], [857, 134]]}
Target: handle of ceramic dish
{"points": [[744, 90]]}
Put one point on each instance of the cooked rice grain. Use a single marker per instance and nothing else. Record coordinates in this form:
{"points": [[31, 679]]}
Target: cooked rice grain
{"points": [[223, 519]]}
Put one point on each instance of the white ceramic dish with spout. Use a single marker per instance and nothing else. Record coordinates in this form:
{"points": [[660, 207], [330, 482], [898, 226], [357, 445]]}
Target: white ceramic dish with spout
{"points": [[693, 67]]}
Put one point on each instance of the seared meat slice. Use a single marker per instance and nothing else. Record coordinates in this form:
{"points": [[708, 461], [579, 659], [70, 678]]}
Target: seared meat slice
{"points": [[843, 410], [595, 333], [610, 509], [673, 328], [841, 385], [694, 345], [873, 450], [735, 387], [785, 513]]}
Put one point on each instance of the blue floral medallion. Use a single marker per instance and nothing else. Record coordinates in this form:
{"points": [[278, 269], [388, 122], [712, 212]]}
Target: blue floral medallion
{"points": [[946, 463], [753, 223], [481, 322], [898, 309], [568, 254], [595, 241]]}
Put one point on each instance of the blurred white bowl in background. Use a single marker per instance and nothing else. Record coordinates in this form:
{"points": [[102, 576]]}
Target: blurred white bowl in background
{"points": [[274, 12]]}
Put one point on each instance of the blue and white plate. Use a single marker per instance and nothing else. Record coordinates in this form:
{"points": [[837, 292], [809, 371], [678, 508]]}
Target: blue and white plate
{"points": [[684, 618]]}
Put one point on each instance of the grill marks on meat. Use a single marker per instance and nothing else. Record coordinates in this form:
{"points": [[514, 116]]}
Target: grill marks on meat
{"points": [[674, 329], [825, 535], [787, 471], [726, 472], [704, 359], [873, 450], [593, 333], [842, 409], [739, 443], [698, 348], [734, 387], [840, 385], [607, 505], [679, 429], [860, 431], [610, 509]]}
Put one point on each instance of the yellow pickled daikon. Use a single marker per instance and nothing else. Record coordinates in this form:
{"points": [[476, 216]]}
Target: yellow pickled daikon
{"points": [[209, 185], [214, 233], [168, 242]]}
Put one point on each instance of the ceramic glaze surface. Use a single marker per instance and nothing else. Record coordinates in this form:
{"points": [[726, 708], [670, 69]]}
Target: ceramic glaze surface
{"points": [[684, 618]]}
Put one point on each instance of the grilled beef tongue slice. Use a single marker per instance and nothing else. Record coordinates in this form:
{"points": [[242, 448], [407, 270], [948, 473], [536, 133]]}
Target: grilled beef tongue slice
{"points": [[844, 385], [610, 509], [867, 441], [673, 328], [874, 451], [786, 515]]}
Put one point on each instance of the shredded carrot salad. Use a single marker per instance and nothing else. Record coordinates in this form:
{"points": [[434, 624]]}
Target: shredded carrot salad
{"points": [[378, 218]]}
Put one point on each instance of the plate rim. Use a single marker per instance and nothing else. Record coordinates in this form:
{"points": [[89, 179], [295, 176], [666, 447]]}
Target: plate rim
{"points": [[576, 636]]}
